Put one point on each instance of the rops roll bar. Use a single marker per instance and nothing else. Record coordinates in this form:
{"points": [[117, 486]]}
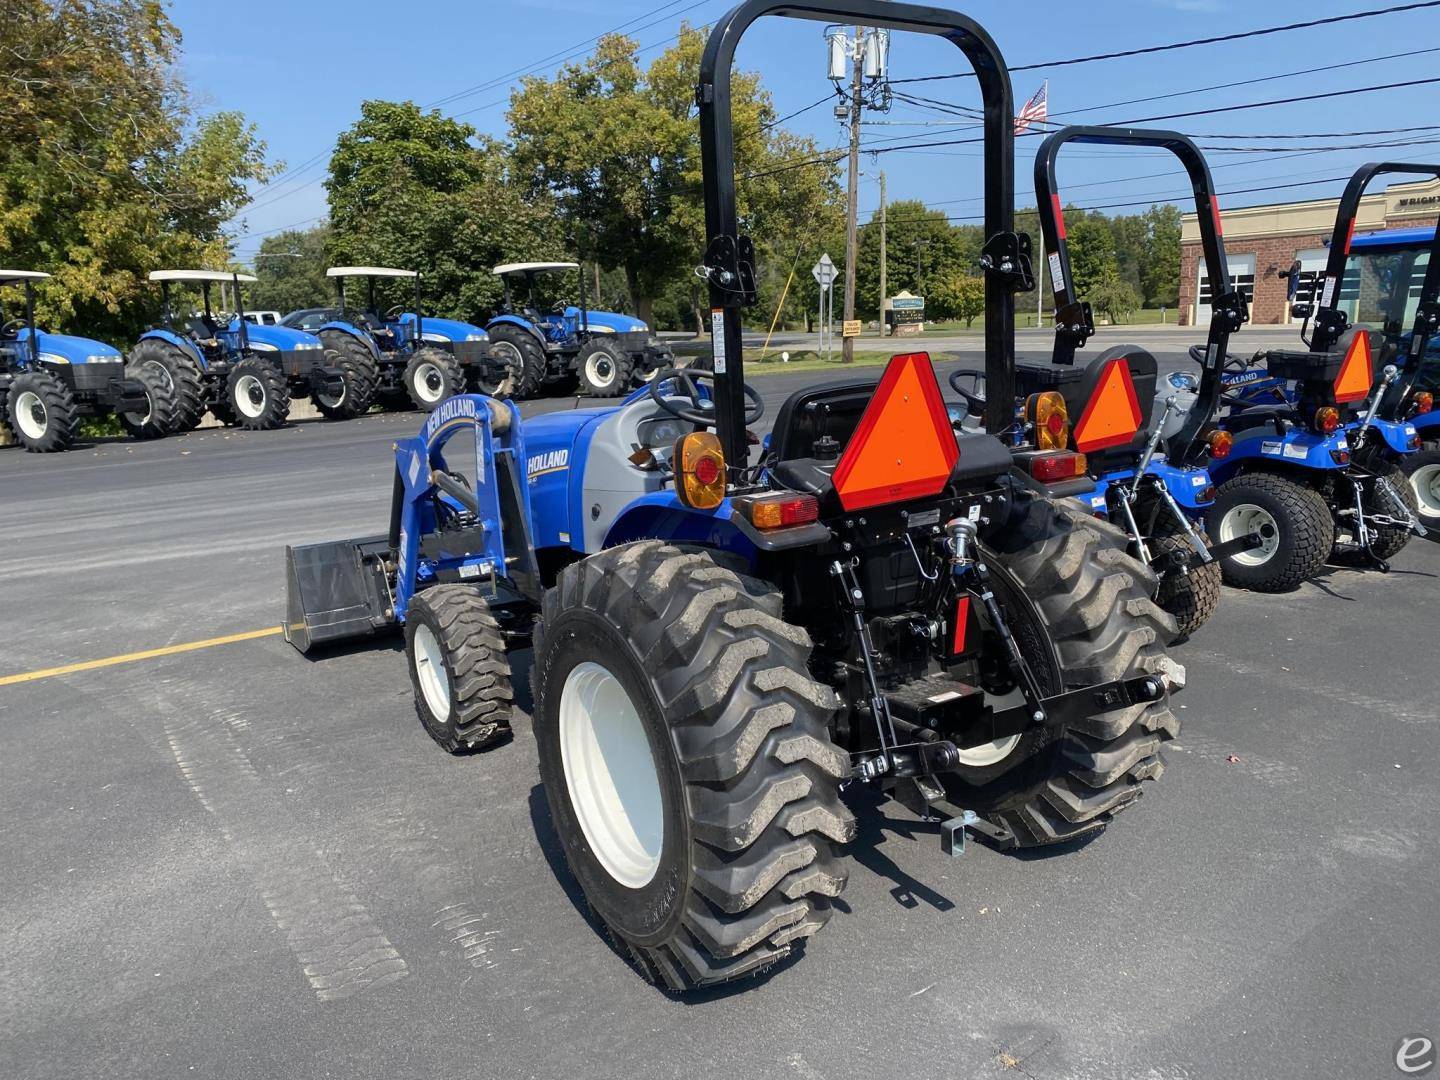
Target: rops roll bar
{"points": [[1073, 321], [730, 257]]}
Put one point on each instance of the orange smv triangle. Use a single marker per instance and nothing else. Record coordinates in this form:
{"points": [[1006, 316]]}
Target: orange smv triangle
{"points": [[904, 447], [1353, 382], [1112, 415]]}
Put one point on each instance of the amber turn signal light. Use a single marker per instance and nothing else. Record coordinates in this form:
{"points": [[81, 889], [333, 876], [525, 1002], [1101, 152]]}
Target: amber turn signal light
{"points": [[700, 470], [1221, 443], [780, 510], [1051, 417], [1327, 419], [1423, 401]]}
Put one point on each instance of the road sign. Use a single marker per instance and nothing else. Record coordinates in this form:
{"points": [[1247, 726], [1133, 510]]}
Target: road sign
{"points": [[850, 328], [823, 272]]}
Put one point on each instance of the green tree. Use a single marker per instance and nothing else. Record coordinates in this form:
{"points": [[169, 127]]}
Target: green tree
{"points": [[958, 296], [106, 172], [1092, 250], [422, 191], [924, 251], [618, 148], [290, 269], [1160, 268], [1113, 297]]}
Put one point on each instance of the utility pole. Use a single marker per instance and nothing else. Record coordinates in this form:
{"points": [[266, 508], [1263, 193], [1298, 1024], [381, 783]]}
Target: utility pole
{"points": [[883, 292], [857, 104]]}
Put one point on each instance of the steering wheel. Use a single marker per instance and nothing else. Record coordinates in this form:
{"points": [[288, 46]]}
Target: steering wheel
{"points": [[973, 398], [558, 308], [703, 413], [1233, 364], [12, 328], [394, 312]]}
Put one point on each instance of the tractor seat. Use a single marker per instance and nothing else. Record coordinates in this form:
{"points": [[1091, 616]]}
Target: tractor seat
{"points": [[814, 425], [201, 328], [1080, 393]]}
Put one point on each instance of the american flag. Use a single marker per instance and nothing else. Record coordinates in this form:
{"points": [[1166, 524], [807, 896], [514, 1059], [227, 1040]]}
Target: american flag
{"points": [[1034, 110]]}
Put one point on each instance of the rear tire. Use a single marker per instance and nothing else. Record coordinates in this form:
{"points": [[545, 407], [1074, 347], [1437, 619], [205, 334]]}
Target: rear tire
{"points": [[159, 416], [41, 412], [359, 374], [1388, 542], [1304, 530], [257, 395], [604, 368], [523, 354], [712, 856], [458, 668], [1082, 612], [431, 376], [187, 382], [1422, 470]]}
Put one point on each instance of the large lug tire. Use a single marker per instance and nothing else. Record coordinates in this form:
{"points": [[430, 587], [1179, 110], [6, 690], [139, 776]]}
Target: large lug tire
{"points": [[686, 757], [1302, 525], [521, 352], [604, 368], [257, 395], [41, 412], [179, 369], [1396, 497], [359, 373], [458, 668], [431, 376], [1189, 597], [646, 371], [498, 374], [157, 419], [1082, 612], [1422, 470]]}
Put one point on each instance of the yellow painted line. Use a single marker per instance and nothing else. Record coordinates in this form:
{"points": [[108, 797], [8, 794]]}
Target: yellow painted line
{"points": [[130, 658]]}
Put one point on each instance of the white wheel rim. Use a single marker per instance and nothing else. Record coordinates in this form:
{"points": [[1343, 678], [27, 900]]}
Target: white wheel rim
{"points": [[611, 775], [250, 396], [1244, 519], [140, 419], [31, 415], [429, 661], [162, 371], [1425, 482], [425, 375], [992, 753], [593, 372], [332, 401]]}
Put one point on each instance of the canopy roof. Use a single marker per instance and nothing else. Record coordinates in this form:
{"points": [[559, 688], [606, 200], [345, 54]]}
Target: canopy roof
{"points": [[198, 275], [520, 268], [368, 271], [20, 275]]}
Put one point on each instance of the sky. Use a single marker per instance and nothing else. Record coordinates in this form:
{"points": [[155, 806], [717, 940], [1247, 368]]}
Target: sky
{"points": [[299, 71]]}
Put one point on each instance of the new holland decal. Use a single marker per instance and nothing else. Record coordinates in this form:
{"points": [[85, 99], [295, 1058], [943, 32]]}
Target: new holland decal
{"points": [[548, 462]]}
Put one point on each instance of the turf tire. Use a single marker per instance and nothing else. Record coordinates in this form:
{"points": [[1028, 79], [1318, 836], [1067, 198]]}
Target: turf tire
{"points": [[1388, 542], [476, 668], [1305, 528], [1422, 471], [738, 732]]}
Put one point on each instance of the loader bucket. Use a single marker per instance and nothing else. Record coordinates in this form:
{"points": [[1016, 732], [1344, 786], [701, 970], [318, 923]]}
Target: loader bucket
{"points": [[336, 590]]}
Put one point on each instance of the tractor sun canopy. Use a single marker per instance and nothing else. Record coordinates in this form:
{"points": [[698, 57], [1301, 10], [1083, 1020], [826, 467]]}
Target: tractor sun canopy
{"points": [[729, 258], [370, 271], [1109, 410], [9, 277], [534, 268], [201, 276]]}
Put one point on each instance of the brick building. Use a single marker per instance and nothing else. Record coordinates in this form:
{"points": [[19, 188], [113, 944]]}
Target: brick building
{"points": [[1261, 241]]}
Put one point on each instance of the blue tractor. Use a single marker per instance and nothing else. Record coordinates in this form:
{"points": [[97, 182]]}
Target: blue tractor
{"points": [[719, 643], [402, 352], [48, 382], [558, 344], [242, 373]]}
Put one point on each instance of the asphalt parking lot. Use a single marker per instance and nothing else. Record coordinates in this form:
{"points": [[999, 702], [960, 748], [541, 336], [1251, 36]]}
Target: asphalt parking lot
{"points": [[235, 861]]}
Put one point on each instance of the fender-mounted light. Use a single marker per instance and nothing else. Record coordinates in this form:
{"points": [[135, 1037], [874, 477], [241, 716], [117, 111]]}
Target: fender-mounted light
{"points": [[700, 470], [1340, 457], [1327, 419], [1422, 401], [1207, 494], [1060, 465], [780, 510], [1221, 443], [1051, 417], [1413, 442]]}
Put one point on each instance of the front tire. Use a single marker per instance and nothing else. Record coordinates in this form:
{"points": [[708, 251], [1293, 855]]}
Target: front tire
{"points": [[1189, 597], [708, 852], [431, 376], [41, 412], [458, 668], [1301, 528], [1422, 470], [604, 368], [158, 417], [257, 396]]}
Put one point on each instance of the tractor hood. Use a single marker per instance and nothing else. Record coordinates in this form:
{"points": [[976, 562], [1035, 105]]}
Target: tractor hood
{"points": [[608, 321], [277, 338], [64, 349], [442, 329]]}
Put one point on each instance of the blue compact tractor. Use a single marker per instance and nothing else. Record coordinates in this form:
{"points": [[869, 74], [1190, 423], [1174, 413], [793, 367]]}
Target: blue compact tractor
{"points": [[402, 352], [48, 382], [560, 344], [242, 373], [720, 642]]}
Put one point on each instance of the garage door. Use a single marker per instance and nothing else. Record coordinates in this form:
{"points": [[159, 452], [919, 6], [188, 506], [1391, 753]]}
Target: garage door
{"points": [[1242, 274]]}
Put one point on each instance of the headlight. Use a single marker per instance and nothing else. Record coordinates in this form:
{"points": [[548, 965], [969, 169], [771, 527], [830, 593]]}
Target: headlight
{"points": [[476, 337], [104, 358], [54, 358], [260, 346], [317, 345]]}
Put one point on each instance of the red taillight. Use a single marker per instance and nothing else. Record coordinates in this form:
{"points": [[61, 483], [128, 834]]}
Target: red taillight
{"points": [[707, 470], [1340, 457], [1221, 443], [1413, 443], [1423, 401], [780, 510], [1207, 494], [1047, 468], [1055, 424]]}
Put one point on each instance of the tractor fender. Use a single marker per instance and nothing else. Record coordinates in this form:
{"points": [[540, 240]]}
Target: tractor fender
{"points": [[661, 515], [1193, 489], [359, 335], [180, 341], [515, 320], [1427, 424], [1399, 435], [1293, 451]]}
